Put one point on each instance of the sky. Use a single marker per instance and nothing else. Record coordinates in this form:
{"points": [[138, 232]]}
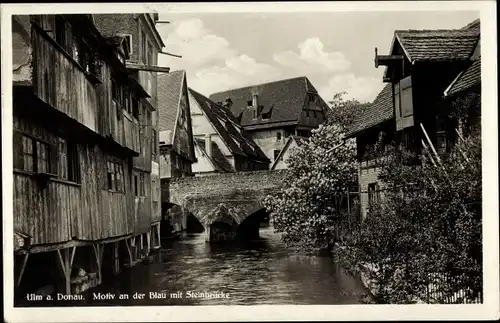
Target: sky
{"points": [[335, 50]]}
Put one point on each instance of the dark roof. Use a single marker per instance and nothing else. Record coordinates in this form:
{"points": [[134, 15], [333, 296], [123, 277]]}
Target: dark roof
{"points": [[226, 125], [218, 160], [438, 45], [117, 43], [284, 100], [475, 25], [471, 76], [379, 111], [169, 91]]}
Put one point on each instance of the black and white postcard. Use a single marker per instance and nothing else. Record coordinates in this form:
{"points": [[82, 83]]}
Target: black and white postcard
{"points": [[250, 161]]}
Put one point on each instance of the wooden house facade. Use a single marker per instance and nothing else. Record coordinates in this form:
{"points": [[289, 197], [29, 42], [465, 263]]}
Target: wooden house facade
{"points": [[425, 70], [77, 131]]}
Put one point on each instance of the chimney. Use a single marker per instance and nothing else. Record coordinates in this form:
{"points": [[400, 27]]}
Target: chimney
{"points": [[254, 100], [228, 103], [208, 145]]}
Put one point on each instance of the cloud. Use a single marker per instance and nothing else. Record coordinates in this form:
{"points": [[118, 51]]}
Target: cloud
{"points": [[212, 64], [313, 58], [236, 72], [361, 88], [197, 45]]}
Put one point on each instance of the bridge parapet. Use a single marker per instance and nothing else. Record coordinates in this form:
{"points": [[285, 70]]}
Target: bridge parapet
{"points": [[240, 193]]}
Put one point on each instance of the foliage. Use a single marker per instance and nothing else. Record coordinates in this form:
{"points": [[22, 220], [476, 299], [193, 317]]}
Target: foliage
{"points": [[321, 170], [428, 224], [344, 113]]}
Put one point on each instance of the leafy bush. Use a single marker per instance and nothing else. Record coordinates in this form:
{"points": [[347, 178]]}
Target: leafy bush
{"points": [[427, 225]]}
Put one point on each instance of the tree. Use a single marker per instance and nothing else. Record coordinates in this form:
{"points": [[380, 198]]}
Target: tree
{"points": [[309, 208], [426, 229]]}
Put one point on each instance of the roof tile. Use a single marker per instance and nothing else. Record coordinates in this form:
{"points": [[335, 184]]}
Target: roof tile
{"points": [[428, 45], [379, 111], [169, 92], [284, 99]]}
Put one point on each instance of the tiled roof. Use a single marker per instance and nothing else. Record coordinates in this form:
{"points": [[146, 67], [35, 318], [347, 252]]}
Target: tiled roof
{"points": [[469, 78], [440, 45], [225, 124], [284, 100], [219, 161], [375, 113], [472, 75], [169, 92]]}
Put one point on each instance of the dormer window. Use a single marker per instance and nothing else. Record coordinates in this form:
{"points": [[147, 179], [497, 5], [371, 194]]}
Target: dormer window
{"points": [[249, 103], [278, 136], [128, 42]]}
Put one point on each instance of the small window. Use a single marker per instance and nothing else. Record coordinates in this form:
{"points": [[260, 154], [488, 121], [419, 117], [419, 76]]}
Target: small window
{"points": [[249, 103], [136, 185], [33, 155], [276, 154], [373, 193], [153, 142], [278, 136], [135, 107], [307, 113], [314, 114], [61, 32], [128, 39], [115, 177]]}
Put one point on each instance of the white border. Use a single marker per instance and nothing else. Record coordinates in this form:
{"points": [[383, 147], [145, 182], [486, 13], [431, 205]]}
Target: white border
{"points": [[488, 310]]}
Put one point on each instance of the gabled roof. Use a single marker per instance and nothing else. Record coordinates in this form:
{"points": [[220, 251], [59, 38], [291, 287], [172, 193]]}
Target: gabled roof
{"points": [[226, 126], [283, 99], [379, 111], [218, 160], [437, 45], [169, 95], [297, 139]]}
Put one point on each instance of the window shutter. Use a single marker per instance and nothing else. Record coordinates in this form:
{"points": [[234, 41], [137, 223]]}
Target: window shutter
{"points": [[17, 146], [53, 157]]}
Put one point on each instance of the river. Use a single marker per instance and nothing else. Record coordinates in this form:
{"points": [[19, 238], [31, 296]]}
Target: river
{"points": [[257, 272]]}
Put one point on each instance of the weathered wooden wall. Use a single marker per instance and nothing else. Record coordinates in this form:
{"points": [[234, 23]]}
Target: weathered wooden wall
{"points": [[87, 211], [61, 82]]}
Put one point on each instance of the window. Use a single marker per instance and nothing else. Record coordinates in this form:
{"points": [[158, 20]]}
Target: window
{"points": [[34, 155], [249, 103], [373, 193], [276, 154], [441, 142], [307, 113], [278, 136], [128, 38], [144, 48], [311, 98], [139, 183], [61, 32], [151, 53], [115, 177], [153, 141], [68, 163], [303, 133], [135, 107], [314, 114]]}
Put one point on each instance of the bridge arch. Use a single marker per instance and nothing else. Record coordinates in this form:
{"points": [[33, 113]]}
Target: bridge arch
{"points": [[223, 202]]}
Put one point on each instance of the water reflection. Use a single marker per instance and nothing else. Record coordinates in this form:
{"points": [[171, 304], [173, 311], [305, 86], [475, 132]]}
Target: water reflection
{"points": [[255, 272]]}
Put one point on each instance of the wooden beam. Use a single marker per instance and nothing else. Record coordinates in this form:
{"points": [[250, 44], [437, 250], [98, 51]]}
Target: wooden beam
{"points": [[170, 54], [150, 68], [23, 266]]}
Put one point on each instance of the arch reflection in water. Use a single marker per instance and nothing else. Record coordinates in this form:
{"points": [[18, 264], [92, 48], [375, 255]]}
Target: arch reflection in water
{"points": [[253, 272]]}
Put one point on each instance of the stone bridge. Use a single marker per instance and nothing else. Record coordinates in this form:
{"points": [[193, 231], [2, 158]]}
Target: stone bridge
{"points": [[227, 205]]}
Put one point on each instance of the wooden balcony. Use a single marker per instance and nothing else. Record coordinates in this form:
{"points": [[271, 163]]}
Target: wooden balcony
{"points": [[63, 83]]}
